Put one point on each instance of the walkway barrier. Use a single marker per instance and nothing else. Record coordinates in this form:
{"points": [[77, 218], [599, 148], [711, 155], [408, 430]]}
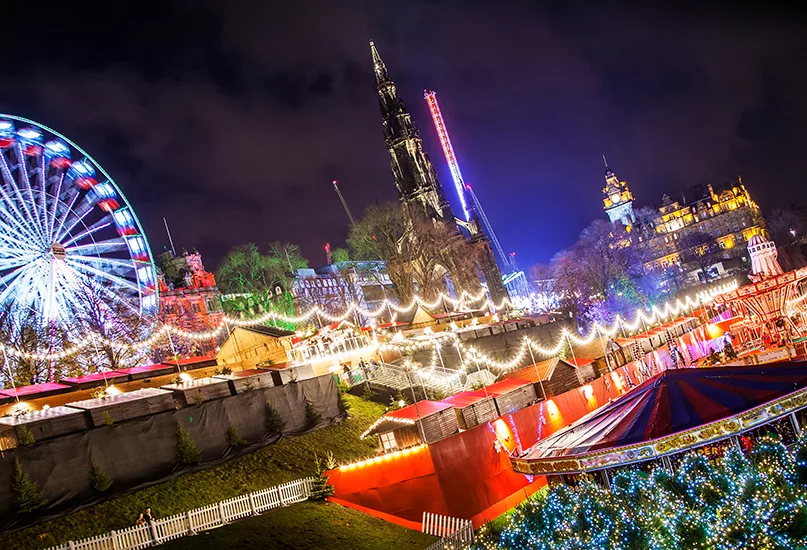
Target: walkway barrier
{"points": [[399, 378], [194, 521], [456, 533]]}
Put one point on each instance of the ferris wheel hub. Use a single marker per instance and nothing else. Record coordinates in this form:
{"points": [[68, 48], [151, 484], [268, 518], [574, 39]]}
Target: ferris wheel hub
{"points": [[58, 251]]}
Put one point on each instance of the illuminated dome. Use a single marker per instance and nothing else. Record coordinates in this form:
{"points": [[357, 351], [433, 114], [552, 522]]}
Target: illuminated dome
{"points": [[756, 240], [764, 263]]}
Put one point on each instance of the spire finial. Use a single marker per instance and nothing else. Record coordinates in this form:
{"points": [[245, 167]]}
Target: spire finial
{"points": [[604, 161], [378, 65]]}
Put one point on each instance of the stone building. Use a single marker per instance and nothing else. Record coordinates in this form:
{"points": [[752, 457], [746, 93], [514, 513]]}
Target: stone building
{"points": [[189, 297], [338, 285], [723, 216]]}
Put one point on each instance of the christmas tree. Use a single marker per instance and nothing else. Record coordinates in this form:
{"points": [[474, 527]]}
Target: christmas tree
{"points": [[27, 497]]}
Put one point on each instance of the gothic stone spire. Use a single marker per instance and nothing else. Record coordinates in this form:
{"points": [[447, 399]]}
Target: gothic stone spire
{"points": [[415, 177]]}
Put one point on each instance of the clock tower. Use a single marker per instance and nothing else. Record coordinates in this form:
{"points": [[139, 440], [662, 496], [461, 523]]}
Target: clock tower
{"points": [[617, 198]]}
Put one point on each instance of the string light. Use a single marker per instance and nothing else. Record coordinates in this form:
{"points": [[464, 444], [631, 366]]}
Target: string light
{"points": [[383, 458], [385, 418], [165, 330]]}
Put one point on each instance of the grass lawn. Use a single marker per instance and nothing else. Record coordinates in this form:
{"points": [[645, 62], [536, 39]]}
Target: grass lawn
{"points": [[306, 526], [287, 460]]}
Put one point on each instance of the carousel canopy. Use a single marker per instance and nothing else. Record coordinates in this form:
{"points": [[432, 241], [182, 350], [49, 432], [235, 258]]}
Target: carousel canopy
{"points": [[671, 402]]}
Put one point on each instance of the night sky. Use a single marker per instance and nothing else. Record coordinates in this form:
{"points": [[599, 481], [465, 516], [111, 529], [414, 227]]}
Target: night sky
{"points": [[232, 118]]}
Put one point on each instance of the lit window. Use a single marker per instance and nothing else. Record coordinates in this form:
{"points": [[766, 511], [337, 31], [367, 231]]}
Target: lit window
{"points": [[388, 442]]}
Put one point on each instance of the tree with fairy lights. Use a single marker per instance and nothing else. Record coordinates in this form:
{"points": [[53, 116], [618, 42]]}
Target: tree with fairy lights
{"points": [[753, 500]]}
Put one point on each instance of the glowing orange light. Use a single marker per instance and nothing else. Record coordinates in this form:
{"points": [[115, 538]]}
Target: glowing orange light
{"points": [[617, 380], [501, 429], [552, 409], [588, 391]]}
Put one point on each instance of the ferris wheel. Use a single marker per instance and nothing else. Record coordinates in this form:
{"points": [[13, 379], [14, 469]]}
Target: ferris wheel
{"points": [[65, 229]]}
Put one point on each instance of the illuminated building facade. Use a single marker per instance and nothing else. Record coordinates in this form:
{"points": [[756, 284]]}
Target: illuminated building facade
{"points": [[334, 287], [726, 213], [189, 297]]}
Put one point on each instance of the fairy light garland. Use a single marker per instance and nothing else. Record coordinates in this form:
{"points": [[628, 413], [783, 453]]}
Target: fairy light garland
{"points": [[385, 418], [473, 356], [92, 339]]}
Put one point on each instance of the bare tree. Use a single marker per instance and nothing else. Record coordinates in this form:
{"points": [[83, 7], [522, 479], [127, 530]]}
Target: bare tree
{"points": [[29, 334], [785, 225], [116, 321], [380, 235], [699, 249]]}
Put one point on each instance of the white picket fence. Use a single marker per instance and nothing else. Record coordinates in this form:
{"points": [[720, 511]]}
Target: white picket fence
{"points": [[455, 533], [194, 521]]}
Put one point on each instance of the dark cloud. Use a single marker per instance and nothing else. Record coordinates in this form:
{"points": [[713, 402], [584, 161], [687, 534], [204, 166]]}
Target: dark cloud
{"points": [[232, 118]]}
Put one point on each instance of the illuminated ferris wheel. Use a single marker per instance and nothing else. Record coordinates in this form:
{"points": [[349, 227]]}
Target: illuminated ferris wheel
{"points": [[66, 232]]}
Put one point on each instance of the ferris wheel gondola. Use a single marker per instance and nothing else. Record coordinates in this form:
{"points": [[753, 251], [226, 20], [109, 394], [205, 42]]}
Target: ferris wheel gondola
{"points": [[66, 229]]}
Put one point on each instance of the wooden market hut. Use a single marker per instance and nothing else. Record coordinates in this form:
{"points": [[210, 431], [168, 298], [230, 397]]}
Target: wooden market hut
{"points": [[511, 395], [254, 346], [550, 377], [125, 406], [408, 426], [473, 408], [198, 390], [47, 423], [247, 380]]}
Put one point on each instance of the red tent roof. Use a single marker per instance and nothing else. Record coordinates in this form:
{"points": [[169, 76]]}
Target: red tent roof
{"points": [[191, 360], [96, 377], [505, 386], [145, 368], [47, 387], [423, 409], [466, 398], [539, 372]]}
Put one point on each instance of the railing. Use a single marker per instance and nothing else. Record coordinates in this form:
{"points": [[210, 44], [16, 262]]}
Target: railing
{"points": [[397, 377], [456, 533], [325, 349], [200, 519]]}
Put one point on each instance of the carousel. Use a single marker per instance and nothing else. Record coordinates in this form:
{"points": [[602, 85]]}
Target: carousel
{"points": [[704, 410], [764, 316]]}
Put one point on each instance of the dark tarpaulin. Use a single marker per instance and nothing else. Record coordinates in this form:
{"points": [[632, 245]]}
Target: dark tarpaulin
{"points": [[143, 452]]}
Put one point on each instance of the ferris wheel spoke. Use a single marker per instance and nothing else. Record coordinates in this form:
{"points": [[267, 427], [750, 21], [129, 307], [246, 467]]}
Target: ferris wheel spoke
{"points": [[99, 247], [120, 281], [75, 217], [13, 262], [24, 178], [119, 265], [11, 220], [103, 223], [9, 237], [43, 195], [13, 284], [8, 200], [68, 209], [55, 204], [116, 298]]}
